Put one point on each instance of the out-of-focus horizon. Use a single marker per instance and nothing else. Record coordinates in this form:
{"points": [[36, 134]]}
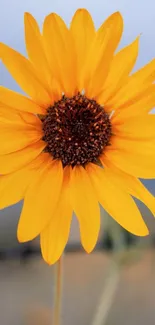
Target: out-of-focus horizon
{"points": [[26, 289]]}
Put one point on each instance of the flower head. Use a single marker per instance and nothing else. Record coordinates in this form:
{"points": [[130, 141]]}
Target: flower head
{"points": [[82, 137]]}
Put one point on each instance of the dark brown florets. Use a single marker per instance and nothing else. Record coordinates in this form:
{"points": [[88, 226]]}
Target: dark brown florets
{"points": [[76, 130]]}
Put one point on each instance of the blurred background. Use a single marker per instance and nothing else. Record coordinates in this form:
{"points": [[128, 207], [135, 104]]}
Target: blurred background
{"points": [[26, 282]]}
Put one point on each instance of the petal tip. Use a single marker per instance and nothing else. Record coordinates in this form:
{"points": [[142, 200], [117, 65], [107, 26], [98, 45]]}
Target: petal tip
{"points": [[52, 15], [117, 15], [49, 261], [88, 250], [22, 235], [48, 258], [89, 246], [81, 10], [20, 238], [143, 231], [27, 16]]}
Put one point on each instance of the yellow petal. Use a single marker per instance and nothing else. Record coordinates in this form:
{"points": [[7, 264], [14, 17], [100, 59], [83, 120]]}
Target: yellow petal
{"points": [[36, 52], [35, 49], [146, 74], [83, 31], [138, 164], [56, 91], [12, 116], [14, 137], [25, 75], [13, 100], [121, 65], [15, 117], [86, 207], [40, 201], [130, 184], [16, 160], [13, 186], [141, 104], [101, 53], [29, 119], [134, 87], [134, 147], [136, 128], [55, 236], [116, 202], [60, 52]]}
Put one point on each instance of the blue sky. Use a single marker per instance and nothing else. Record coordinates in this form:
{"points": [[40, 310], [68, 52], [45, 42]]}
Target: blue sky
{"points": [[139, 18]]}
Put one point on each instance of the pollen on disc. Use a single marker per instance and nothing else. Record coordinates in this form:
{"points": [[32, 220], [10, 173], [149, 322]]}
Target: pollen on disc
{"points": [[76, 130]]}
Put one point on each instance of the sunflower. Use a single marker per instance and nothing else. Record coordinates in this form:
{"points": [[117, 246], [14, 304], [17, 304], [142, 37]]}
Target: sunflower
{"points": [[82, 137]]}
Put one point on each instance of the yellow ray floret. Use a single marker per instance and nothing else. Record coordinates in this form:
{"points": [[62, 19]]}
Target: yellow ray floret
{"points": [[81, 136]]}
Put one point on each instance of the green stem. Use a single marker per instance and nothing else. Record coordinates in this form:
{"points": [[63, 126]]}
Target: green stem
{"points": [[108, 294], [58, 293]]}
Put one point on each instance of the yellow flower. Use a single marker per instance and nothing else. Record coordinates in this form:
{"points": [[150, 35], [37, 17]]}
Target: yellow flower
{"points": [[84, 111]]}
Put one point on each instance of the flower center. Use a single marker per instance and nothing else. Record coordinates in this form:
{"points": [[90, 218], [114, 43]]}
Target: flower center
{"points": [[76, 130]]}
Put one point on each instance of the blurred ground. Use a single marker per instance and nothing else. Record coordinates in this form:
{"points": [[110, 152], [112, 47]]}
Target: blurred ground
{"points": [[26, 284], [26, 290]]}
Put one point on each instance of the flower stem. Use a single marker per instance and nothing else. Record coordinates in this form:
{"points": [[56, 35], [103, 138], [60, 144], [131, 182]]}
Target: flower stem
{"points": [[107, 296], [58, 293]]}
